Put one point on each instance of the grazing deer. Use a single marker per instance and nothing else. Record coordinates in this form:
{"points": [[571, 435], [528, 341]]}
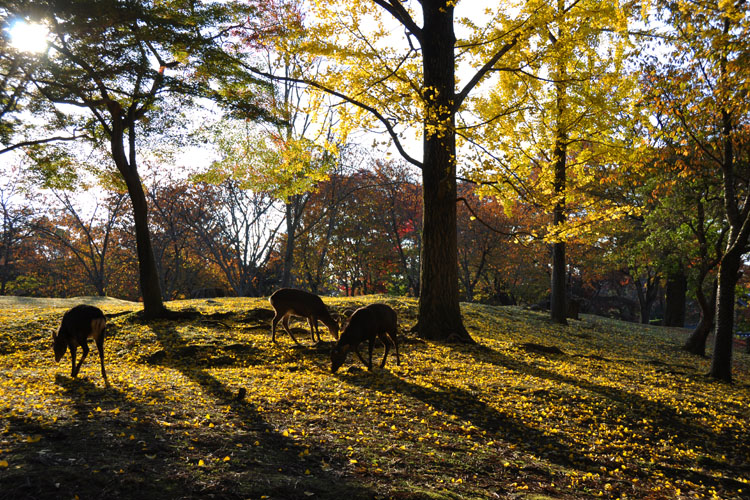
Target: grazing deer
{"points": [[287, 301], [78, 325], [367, 323]]}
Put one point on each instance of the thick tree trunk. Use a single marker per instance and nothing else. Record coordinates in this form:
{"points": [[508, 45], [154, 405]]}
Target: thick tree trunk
{"points": [[674, 309], [721, 364], [153, 306], [439, 316], [558, 295], [696, 343]]}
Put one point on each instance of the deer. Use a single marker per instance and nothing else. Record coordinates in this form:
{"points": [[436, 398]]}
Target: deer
{"points": [[367, 323], [79, 324], [289, 301]]}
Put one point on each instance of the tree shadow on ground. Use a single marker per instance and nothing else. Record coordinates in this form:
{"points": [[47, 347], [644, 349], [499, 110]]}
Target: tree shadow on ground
{"points": [[127, 442], [461, 403], [669, 423], [100, 451], [303, 475]]}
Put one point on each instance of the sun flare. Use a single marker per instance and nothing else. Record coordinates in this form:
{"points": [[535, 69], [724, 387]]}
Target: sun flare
{"points": [[29, 37]]}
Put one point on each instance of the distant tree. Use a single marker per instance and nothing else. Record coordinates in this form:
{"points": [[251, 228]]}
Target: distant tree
{"points": [[87, 238], [557, 122], [17, 216], [399, 218], [483, 234], [117, 60], [235, 230], [180, 256]]}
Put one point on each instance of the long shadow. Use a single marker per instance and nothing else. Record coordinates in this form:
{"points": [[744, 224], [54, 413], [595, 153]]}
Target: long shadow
{"points": [[275, 450], [458, 402], [98, 451], [667, 421], [107, 444]]}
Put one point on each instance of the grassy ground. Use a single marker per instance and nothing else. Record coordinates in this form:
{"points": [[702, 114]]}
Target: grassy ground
{"points": [[210, 408]]}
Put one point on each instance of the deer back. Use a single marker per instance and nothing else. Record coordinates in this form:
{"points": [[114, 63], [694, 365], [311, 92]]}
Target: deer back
{"points": [[298, 302], [78, 324]]}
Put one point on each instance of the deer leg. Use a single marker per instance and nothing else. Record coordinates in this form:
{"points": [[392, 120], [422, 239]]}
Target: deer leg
{"points": [[370, 347], [285, 323], [392, 337], [313, 322], [84, 353], [274, 322], [100, 348], [356, 351], [72, 360], [387, 347]]}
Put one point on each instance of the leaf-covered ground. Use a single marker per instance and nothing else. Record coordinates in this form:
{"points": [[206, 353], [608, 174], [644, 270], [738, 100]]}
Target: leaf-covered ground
{"points": [[208, 407]]}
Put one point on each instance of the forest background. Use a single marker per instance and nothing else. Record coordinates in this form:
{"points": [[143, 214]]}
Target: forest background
{"points": [[594, 155]]}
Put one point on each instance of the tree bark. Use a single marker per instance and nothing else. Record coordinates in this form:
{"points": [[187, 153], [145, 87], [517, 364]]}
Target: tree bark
{"points": [[674, 309], [646, 297], [696, 343], [721, 364], [153, 306], [439, 316], [558, 295], [292, 223]]}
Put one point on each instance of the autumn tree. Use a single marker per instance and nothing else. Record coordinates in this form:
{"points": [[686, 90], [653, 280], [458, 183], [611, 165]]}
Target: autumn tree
{"points": [[179, 253], [117, 61], [685, 218], [398, 216], [281, 163], [300, 146], [707, 76], [557, 122], [17, 216], [383, 82], [483, 234], [87, 237], [235, 229]]}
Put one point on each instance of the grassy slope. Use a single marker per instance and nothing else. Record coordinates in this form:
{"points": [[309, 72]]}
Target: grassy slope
{"points": [[618, 411]]}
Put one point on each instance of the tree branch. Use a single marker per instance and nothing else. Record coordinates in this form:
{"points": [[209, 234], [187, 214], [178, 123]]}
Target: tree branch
{"points": [[389, 128], [41, 141], [398, 11]]}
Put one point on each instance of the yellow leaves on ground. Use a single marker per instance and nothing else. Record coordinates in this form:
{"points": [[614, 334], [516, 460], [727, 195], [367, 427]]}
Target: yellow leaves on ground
{"points": [[618, 411]]}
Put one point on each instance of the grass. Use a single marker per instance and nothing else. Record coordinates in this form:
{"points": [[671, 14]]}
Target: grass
{"points": [[209, 407]]}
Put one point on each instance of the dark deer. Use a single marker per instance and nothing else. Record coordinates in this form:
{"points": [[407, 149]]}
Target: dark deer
{"points": [[367, 323], [78, 325], [287, 301]]}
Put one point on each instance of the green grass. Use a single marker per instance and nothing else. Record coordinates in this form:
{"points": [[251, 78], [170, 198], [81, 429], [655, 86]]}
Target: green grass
{"points": [[209, 407]]}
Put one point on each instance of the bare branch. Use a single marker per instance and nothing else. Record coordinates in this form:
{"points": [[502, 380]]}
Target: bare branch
{"points": [[42, 141]]}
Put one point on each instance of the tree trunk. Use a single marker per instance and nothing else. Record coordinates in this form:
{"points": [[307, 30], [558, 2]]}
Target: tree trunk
{"points": [[721, 364], [558, 298], [674, 309], [149, 277], [439, 316], [558, 295], [291, 234], [696, 343], [646, 297]]}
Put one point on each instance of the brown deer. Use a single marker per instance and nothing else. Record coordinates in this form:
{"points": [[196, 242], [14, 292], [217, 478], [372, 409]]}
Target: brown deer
{"points": [[288, 301], [79, 324], [367, 323]]}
